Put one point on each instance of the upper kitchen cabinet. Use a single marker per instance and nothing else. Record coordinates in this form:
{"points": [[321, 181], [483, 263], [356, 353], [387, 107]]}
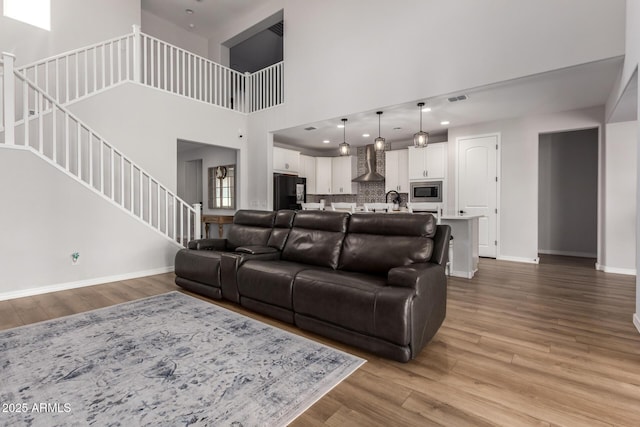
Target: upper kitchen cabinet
{"points": [[308, 171], [342, 172], [396, 171], [286, 161], [428, 163], [334, 175], [323, 176]]}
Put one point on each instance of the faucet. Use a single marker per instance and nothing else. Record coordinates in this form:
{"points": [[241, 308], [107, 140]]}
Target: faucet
{"points": [[395, 200]]}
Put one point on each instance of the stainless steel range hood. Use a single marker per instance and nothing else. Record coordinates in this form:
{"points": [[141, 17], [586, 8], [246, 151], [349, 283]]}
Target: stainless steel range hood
{"points": [[370, 174]]}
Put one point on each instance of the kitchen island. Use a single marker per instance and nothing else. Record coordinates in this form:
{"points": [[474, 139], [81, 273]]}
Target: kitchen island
{"points": [[464, 229]]}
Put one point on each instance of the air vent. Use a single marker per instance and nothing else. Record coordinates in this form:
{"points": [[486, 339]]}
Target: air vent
{"points": [[277, 29], [458, 98], [310, 128]]}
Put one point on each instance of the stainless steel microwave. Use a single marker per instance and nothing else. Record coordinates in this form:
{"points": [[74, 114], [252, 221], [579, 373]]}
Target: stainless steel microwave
{"points": [[426, 191]]}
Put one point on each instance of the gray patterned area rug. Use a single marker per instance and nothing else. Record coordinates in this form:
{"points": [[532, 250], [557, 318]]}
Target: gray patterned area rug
{"points": [[168, 360]]}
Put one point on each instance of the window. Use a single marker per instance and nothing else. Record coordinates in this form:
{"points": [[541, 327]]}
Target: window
{"points": [[33, 12], [222, 187]]}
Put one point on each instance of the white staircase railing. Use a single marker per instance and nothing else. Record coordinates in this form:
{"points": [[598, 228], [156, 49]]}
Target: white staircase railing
{"points": [[33, 119], [144, 59], [75, 74], [265, 88], [181, 72]]}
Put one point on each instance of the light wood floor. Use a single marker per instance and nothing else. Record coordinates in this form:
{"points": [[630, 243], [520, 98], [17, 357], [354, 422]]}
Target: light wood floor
{"points": [[522, 344]]}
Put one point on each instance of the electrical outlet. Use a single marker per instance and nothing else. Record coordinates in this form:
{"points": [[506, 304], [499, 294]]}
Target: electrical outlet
{"points": [[75, 258]]}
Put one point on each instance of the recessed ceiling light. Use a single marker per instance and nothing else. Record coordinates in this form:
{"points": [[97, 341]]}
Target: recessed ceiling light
{"points": [[326, 141], [365, 135], [340, 126], [192, 25], [444, 122], [426, 109], [189, 11]]}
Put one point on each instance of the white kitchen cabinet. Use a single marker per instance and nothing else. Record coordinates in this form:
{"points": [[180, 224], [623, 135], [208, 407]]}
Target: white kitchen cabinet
{"points": [[286, 161], [342, 169], [396, 171], [428, 163], [323, 175], [308, 171]]}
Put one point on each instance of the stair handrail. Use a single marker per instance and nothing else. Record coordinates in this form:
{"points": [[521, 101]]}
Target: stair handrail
{"points": [[10, 125], [219, 89], [148, 60], [99, 65]]}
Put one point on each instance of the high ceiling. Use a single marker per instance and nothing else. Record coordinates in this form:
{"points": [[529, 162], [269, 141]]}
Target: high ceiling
{"points": [[577, 87]]}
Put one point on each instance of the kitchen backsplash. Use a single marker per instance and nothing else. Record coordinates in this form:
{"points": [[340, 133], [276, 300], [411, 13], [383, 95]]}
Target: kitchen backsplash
{"points": [[368, 192]]}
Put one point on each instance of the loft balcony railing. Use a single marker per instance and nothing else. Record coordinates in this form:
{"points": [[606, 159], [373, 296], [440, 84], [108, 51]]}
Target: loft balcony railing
{"points": [[32, 119], [140, 58]]}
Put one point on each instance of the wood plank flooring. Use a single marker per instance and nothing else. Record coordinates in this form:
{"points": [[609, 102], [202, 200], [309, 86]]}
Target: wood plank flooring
{"points": [[550, 344]]}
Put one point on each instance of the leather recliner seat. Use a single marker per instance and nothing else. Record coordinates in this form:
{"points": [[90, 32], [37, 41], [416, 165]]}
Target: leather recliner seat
{"points": [[197, 268], [314, 241]]}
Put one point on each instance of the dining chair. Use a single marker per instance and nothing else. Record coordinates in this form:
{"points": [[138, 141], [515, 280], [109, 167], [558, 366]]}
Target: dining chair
{"points": [[378, 207], [312, 206], [345, 207]]}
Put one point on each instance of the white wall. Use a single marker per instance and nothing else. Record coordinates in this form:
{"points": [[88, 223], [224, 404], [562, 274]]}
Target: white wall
{"points": [[211, 156], [619, 233], [47, 215], [567, 193], [518, 210], [146, 124], [360, 55], [166, 31], [73, 24], [632, 59]]}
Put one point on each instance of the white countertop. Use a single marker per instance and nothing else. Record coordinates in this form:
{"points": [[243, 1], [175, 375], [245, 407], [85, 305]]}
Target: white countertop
{"points": [[460, 217]]}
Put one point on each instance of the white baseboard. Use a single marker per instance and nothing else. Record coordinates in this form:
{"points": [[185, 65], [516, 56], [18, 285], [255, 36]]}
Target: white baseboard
{"points": [[636, 321], [535, 260], [567, 253], [82, 283], [616, 270]]}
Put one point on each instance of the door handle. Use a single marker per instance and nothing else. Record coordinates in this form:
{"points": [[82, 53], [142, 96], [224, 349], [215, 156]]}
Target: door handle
{"points": [[462, 212]]}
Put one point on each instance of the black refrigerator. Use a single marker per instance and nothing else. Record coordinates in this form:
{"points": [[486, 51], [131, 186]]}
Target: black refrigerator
{"points": [[289, 191]]}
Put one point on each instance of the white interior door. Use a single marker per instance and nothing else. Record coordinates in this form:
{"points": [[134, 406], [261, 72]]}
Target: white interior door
{"points": [[478, 187]]}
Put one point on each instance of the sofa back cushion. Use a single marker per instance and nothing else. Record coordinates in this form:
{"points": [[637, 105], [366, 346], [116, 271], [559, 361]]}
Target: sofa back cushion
{"points": [[376, 243], [250, 228], [281, 228], [316, 238]]}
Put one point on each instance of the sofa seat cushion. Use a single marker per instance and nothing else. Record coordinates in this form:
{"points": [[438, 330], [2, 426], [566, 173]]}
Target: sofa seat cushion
{"points": [[355, 301], [268, 281], [199, 266]]}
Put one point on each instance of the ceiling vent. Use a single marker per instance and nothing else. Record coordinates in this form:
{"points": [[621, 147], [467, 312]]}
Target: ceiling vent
{"points": [[277, 29], [310, 128], [458, 98]]}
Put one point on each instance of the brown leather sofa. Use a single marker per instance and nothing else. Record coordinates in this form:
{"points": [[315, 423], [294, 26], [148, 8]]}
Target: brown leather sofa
{"points": [[375, 281]]}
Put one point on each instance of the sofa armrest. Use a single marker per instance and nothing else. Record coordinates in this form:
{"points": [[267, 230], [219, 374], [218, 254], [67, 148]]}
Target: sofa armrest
{"points": [[419, 277], [208, 244], [230, 262], [256, 250], [429, 306]]}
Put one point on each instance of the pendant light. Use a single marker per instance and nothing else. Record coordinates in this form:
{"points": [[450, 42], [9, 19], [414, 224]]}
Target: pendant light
{"points": [[420, 139], [345, 149], [379, 142]]}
